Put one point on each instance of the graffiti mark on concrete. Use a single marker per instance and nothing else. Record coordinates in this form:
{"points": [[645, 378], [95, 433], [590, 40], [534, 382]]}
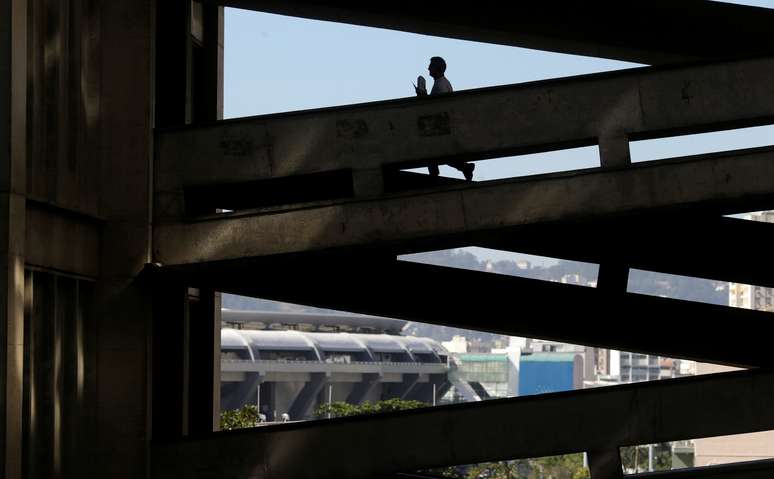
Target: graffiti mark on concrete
{"points": [[434, 125]]}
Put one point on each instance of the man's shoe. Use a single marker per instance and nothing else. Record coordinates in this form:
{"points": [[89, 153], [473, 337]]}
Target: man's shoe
{"points": [[433, 169], [467, 170]]}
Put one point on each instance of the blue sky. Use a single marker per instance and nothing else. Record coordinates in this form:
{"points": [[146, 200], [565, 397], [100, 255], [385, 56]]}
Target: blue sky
{"points": [[275, 63]]}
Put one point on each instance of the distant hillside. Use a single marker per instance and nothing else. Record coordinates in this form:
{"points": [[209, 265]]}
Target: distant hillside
{"points": [[714, 292]]}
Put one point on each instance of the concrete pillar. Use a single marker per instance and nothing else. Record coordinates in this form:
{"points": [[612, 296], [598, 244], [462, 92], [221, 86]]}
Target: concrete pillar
{"points": [[203, 362], [208, 73], [246, 392], [360, 390], [173, 63], [403, 389], [302, 404], [613, 276], [13, 124], [123, 306], [614, 150], [43, 432], [169, 388], [57, 356], [605, 464], [443, 388], [186, 360]]}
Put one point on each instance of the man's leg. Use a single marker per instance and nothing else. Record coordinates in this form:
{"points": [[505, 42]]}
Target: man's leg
{"points": [[465, 168]]}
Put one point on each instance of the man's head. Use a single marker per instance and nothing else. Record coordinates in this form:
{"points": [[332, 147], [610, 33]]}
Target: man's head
{"points": [[437, 67]]}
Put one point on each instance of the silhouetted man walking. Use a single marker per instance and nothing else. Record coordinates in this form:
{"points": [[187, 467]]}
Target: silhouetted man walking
{"points": [[441, 85]]}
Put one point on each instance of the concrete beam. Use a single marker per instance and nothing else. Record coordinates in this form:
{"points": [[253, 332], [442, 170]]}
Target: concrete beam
{"points": [[504, 304], [679, 244], [745, 470], [594, 419], [51, 234], [607, 108], [687, 30], [742, 179]]}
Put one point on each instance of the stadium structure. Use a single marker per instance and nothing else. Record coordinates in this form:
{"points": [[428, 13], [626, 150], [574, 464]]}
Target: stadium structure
{"points": [[294, 371]]}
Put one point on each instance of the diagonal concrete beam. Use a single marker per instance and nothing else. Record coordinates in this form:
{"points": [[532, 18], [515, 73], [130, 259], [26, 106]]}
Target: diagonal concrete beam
{"points": [[605, 109], [499, 303], [735, 179], [533, 426], [762, 469], [684, 244], [686, 30]]}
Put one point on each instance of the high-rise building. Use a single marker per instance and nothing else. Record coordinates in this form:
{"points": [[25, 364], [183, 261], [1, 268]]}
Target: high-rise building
{"points": [[636, 367]]}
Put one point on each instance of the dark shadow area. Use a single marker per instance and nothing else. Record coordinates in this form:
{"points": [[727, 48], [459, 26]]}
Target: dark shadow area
{"points": [[329, 185], [398, 180]]}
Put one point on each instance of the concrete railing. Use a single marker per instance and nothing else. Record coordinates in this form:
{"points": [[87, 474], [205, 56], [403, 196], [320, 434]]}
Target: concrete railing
{"points": [[598, 421], [606, 109]]}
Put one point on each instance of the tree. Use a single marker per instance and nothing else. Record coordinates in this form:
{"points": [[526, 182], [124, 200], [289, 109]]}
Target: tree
{"points": [[246, 416], [568, 466], [342, 409], [635, 459]]}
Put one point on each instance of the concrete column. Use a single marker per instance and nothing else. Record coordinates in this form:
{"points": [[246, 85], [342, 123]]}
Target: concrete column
{"points": [[424, 392], [173, 63], [13, 124], [245, 392], [41, 331], [302, 404], [170, 386], [614, 150], [403, 389], [123, 306], [203, 352], [613, 276], [361, 389], [605, 464], [208, 87], [56, 426], [186, 360]]}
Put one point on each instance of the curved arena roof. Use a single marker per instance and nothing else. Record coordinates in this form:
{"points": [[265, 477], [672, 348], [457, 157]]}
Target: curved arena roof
{"points": [[321, 344]]}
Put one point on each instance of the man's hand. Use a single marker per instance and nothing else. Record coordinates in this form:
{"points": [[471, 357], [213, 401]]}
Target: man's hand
{"points": [[421, 90]]}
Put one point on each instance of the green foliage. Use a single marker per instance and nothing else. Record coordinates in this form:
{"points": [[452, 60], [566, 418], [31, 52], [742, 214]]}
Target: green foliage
{"points": [[636, 458], [246, 416], [569, 466], [342, 409]]}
